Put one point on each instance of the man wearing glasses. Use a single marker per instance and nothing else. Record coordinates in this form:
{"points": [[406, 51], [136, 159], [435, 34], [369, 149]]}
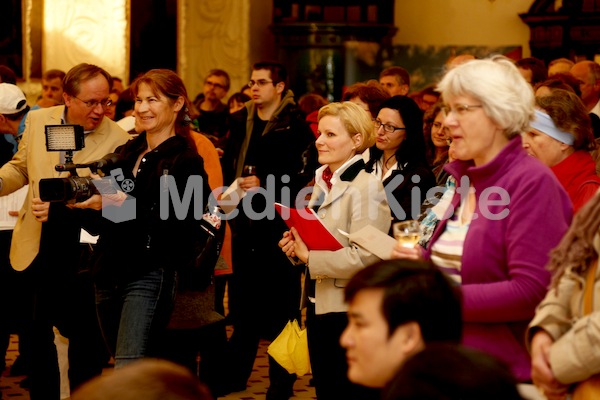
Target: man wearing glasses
{"points": [[271, 135], [46, 237], [212, 112]]}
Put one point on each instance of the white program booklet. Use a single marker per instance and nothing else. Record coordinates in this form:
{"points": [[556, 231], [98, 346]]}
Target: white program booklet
{"points": [[11, 202], [231, 197], [374, 240]]}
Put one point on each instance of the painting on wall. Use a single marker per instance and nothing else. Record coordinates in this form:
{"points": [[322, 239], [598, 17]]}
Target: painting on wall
{"points": [[424, 63]]}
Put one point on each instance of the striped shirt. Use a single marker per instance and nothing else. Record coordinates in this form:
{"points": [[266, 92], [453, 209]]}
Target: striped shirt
{"points": [[447, 250]]}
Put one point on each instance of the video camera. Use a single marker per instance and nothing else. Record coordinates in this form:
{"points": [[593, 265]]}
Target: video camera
{"points": [[75, 188]]}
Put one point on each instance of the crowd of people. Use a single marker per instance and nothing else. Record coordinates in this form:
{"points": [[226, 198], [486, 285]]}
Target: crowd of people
{"points": [[493, 160]]}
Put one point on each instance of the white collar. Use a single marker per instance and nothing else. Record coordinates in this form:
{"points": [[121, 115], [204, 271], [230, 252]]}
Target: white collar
{"points": [[336, 175]]}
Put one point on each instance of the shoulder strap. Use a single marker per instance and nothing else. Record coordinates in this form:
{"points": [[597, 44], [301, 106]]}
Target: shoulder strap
{"points": [[588, 295]]}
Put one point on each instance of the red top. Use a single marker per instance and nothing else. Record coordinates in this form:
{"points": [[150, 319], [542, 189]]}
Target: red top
{"points": [[577, 174]]}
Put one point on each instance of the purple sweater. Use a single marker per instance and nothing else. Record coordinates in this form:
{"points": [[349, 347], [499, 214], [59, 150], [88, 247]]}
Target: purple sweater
{"points": [[503, 263]]}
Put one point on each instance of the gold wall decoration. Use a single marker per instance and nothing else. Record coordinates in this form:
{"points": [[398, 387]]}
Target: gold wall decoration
{"points": [[213, 34], [92, 31]]}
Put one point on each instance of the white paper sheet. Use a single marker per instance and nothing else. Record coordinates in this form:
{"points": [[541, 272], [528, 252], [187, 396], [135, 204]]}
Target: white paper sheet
{"points": [[11, 202], [232, 197], [86, 237]]}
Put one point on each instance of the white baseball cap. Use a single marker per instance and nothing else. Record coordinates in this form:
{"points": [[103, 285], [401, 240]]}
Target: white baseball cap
{"points": [[12, 99]]}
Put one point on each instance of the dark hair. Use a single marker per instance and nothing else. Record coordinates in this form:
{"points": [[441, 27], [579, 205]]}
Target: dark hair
{"points": [[412, 148], [7, 75], [402, 75], [222, 73], [82, 73], [239, 97], [538, 69], [277, 70], [311, 102], [125, 103], [452, 372], [166, 83], [19, 115], [562, 80], [430, 89], [53, 74], [413, 291], [371, 93], [569, 114]]}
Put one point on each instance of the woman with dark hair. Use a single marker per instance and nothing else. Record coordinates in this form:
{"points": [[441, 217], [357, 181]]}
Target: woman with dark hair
{"points": [[436, 140], [398, 157], [138, 260]]}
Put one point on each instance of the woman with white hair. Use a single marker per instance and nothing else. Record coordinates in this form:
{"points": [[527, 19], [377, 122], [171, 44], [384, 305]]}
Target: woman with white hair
{"points": [[508, 211]]}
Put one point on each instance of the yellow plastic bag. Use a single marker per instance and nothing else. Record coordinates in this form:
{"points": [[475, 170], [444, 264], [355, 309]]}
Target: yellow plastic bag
{"points": [[299, 350], [290, 349]]}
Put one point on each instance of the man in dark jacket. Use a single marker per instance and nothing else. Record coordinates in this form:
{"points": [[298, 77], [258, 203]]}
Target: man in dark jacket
{"points": [[271, 135]]}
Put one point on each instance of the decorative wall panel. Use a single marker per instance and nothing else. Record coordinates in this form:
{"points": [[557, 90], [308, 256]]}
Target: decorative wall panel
{"points": [[213, 34], [92, 31]]}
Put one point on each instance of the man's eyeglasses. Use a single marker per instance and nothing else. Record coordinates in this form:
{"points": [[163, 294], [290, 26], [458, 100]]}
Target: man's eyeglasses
{"points": [[387, 127], [214, 84], [459, 109], [260, 83], [94, 103]]}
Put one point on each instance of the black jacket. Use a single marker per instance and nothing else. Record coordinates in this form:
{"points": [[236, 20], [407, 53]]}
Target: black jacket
{"points": [[151, 240]]}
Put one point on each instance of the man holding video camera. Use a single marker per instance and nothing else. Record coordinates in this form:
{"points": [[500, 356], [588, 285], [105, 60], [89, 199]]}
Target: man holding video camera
{"points": [[46, 236]]}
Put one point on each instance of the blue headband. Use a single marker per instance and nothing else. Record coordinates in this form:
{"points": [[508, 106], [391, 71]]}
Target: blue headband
{"points": [[544, 123]]}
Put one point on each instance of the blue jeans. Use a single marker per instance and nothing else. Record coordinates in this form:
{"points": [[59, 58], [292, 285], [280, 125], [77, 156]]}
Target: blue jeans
{"points": [[134, 315]]}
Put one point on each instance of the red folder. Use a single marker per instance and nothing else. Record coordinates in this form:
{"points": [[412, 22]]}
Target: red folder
{"points": [[312, 231]]}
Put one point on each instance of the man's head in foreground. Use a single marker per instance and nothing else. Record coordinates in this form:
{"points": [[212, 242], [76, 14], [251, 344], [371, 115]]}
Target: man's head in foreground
{"points": [[396, 308]]}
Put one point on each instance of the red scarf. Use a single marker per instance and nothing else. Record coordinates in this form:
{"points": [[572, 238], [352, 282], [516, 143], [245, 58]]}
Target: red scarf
{"points": [[327, 175]]}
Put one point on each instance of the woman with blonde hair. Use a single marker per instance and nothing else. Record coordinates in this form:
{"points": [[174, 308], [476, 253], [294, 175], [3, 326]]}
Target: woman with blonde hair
{"points": [[346, 199]]}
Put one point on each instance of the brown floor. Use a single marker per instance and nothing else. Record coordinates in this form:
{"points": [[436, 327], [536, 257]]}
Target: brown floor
{"points": [[257, 385]]}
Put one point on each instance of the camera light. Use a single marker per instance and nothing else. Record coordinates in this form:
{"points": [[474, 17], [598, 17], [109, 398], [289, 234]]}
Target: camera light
{"points": [[64, 137]]}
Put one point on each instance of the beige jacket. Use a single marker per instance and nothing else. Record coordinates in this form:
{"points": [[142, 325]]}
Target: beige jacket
{"points": [[349, 206], [574, 355], [32, 162]]}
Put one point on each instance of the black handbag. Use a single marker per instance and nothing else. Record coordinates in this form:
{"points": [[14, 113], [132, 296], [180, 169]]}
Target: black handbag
{"points": [[207, 245]]}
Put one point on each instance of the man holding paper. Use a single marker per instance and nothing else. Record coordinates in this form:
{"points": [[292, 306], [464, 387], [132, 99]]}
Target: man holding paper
{"points": [[46, 238], [266, 155]]}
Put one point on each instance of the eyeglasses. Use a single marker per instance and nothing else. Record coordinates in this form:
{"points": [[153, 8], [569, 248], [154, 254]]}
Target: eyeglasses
{"points": [[459, 109], [214, 84], [260, 83], [94, 103], [386, 127]]}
